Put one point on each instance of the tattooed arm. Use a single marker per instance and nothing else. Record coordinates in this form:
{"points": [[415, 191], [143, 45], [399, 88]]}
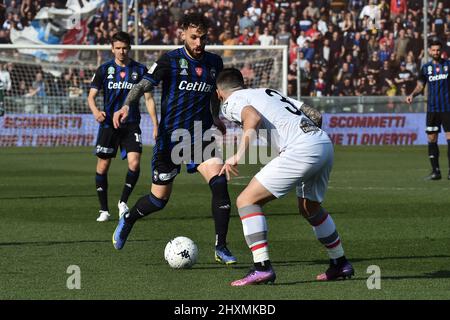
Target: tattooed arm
{"points": [[137, 91], [312, 114], [133, 96]]}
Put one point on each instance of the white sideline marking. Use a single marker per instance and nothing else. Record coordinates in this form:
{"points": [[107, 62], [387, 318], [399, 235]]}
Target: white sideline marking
{"points": [[383, 188]]}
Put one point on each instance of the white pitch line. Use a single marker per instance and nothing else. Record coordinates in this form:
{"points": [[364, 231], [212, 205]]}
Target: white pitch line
{"points": [[383, 188]]}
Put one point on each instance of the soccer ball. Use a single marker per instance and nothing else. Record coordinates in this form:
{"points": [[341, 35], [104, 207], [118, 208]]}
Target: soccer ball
{"points": [[181, 253]]}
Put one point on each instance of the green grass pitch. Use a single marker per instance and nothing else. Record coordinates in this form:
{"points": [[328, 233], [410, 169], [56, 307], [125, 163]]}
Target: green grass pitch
{"points": [[386, 214]]}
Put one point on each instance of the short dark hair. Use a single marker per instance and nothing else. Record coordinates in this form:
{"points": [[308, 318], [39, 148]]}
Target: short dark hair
{"points": [[122, 37], [196, 20], [230, 78], [434, 42]]}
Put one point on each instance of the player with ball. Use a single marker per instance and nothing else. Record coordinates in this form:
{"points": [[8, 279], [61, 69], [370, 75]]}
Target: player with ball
{"points": [[305, 160]]}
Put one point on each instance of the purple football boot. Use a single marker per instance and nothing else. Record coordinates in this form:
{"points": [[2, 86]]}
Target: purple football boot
{"points": [[342, 270], [256, 277]]}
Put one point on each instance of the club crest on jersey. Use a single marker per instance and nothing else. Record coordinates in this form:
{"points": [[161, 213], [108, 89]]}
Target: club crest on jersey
{"points": [[438, 69], [122, 74], [111, 71], [134, 76], [183, 63], [199, 71], [213, 73], [430, 70], [184, 72]]}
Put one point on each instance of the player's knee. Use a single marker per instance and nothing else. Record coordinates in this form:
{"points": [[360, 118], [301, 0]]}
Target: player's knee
{"points": [[103, 166], [134, 166], [243, 201], [308, 208]]}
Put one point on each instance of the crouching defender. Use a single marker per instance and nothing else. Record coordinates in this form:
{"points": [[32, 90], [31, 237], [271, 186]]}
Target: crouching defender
{"points": [[305, 161], [188, 75]]}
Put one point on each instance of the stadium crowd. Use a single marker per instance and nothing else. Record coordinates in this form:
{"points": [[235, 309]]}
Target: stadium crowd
{"points": [[345, 48]]}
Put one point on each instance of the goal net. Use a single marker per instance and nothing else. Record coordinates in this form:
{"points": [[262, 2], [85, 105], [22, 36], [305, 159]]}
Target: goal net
{"points": [[45, 101]]}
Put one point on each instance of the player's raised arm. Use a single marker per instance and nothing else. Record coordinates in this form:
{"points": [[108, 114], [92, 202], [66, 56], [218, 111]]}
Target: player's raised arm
{"points": [[151, 108]]}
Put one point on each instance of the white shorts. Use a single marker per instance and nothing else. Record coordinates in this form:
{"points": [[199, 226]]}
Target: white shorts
{"points": [[307, 168]]}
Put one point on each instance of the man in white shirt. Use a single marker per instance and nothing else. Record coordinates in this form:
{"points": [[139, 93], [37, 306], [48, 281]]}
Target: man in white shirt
{"points": [[5, 78], [266, 39], [254, 11], [305, 161], [372, 11]]}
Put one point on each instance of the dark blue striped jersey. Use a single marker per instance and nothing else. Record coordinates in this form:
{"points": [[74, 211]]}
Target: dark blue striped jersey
{"points": [[116, 82], [436, 76], [187, 86]]}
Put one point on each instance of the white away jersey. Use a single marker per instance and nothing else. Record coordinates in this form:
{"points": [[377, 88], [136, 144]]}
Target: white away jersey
{"points": [[278, 112]]}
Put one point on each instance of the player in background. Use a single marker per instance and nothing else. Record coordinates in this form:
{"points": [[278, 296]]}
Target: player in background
{"points": [[435, 74], [305, 161], [188, 95], [116, 78]]}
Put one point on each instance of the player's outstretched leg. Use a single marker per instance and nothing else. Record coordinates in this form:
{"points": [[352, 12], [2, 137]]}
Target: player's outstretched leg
{"points": [[130, 181], [101, 184], [221, 208], [143, 207], [255, 232], [325, 231]]}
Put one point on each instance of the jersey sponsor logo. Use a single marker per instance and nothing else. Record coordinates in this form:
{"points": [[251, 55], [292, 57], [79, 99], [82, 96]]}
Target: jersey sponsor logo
{"points": [[438, 77], [199, 71], [119, 85], [183, 63], [430, 70], [183, 72], [196, 86], [134, 76], [152, 68]]}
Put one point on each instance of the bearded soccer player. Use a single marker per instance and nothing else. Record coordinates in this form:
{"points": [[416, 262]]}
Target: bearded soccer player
{"points": [[188, 96], [435, 74], [304, 162], [116, 78]]}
